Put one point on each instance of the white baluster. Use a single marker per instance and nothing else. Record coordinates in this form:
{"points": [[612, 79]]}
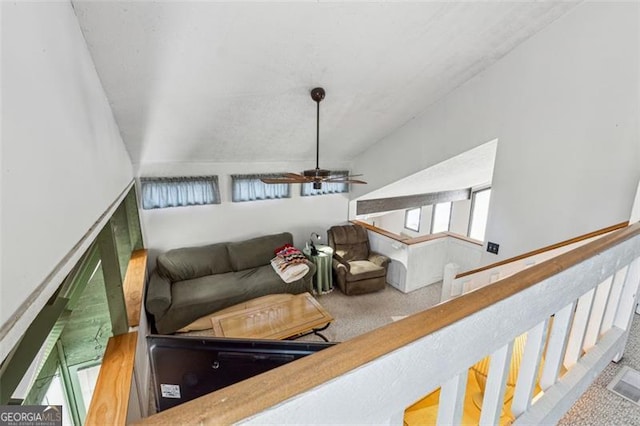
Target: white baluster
{"points": [[614, 299], [529, 368], [496, 380], [578, 328], [628, 300], [597, 314], [556, 346], [452, 400]]}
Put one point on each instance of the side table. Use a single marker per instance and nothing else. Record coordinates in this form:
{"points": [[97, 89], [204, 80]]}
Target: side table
{"points": [[323, 279]]}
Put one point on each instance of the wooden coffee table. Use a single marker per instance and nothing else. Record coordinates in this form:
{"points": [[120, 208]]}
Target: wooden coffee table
{"points": [[280, 316]]}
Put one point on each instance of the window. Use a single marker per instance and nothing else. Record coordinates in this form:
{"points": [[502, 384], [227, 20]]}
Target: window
{"points": [[441, 217], [159, 193], [412, 219], [251, 188], [479, 213], [327, 187]]}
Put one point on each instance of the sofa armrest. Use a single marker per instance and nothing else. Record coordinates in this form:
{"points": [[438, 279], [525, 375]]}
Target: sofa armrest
{"points": [[308, 278], [158, 294], [312, 269], [379, 259]]}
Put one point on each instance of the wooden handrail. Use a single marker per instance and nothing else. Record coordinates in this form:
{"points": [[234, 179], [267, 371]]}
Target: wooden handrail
{"points": [[252, 396], [547, 248], [133, 285], [414, 240], [110, 401], [380, 231]]}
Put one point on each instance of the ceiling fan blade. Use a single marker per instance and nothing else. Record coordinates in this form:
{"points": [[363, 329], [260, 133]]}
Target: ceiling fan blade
{"points": [[317, 175], [283, 180], [335, 178], [294, 175], [345, 181]]}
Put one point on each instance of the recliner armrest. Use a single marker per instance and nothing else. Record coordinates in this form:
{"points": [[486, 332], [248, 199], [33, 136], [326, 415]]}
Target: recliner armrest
{"points": [[338, 261], [158, 294], [379, 259]]}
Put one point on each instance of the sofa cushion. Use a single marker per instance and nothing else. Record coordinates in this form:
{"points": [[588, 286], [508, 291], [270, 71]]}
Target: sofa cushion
{"points": [[256, 251], [221, 287], [264, 280], [363, 269], [195, 298], [194, 262]]}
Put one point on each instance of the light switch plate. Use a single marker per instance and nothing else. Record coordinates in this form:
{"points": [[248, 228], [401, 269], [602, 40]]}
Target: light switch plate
{"points": [[493, 247]]}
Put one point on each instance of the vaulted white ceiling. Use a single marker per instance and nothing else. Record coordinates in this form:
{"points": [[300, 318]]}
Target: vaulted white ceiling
{"points": [[210, 81]]}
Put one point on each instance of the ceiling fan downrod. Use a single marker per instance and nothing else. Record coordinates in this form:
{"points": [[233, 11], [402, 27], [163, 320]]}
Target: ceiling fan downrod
{"points": [[314, 176], [317, 95]]}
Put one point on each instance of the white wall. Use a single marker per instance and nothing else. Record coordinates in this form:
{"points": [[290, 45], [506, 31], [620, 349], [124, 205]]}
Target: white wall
{"points": [[63, 161], [393, 221], [460, 214], [564, 105], [165, 229]]}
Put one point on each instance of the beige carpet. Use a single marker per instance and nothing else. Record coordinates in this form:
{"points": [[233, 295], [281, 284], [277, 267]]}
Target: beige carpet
{"points": [[355, 315]]}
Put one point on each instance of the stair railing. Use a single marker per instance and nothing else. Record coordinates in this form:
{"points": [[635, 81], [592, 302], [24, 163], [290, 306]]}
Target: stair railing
{"points": [[575, 308], [479, 277]]}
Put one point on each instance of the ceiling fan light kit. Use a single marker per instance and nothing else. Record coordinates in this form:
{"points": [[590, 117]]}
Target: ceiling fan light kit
{"points": [[317, 175]]}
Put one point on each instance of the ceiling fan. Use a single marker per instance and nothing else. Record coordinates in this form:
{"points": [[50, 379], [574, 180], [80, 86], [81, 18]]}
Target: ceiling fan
{"points": [[317, 175]]}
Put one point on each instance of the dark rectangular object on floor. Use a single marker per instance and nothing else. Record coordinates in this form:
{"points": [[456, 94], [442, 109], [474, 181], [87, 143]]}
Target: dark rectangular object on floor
{"points": [[184, 368]]}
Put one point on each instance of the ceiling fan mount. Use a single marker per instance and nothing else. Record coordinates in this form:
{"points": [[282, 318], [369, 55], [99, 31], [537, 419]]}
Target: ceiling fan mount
{"points": [[318, 94], [317, 175]]}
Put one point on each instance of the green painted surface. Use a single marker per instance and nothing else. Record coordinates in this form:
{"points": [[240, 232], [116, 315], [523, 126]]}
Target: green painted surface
{"points": [[113, 280], [133, 215], [20, 359], [85, 336], [83, 323]]}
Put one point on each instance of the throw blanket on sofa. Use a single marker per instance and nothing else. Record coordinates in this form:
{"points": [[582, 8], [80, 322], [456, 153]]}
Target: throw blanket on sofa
{"points": [[289, 263]]}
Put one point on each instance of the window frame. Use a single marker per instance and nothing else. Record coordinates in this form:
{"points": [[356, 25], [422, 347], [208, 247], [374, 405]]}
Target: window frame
{"points": [[433, 216], [256, 177], [473, 207], [406, 215], [147, 180]]}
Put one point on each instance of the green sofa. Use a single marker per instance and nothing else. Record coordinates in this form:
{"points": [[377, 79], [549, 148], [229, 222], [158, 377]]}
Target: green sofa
{"points": [[192, 282]]}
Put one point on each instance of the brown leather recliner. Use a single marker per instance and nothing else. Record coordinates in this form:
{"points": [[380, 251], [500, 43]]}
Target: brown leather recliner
{"points": [[357, 270]]}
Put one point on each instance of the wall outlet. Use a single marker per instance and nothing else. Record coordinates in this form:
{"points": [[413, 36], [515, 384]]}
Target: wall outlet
{"points": [[493, 247]]}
